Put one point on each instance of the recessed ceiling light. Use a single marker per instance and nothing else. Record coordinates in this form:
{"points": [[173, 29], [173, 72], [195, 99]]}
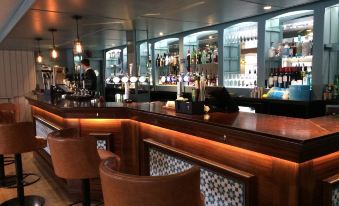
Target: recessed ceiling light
{"points": [[267, 7], [161, 34], [152, 14]]}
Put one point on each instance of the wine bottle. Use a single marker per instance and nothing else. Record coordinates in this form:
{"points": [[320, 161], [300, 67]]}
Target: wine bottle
{"points": [[275, 78], [285, 78], [270, 79], [188, 58], [280, 78]]}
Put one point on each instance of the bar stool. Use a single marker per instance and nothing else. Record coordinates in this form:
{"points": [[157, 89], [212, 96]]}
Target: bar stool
{"points": [[16, 139], [75, 157], [181, 189], [8, 115]]}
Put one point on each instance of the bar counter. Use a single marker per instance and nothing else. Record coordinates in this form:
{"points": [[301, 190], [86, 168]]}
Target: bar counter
{"points": [[246, 159]]}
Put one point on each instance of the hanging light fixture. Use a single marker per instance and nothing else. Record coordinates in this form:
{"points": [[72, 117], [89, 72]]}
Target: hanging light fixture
{"points": [[54, 52], [77, 48], [39, 56]]}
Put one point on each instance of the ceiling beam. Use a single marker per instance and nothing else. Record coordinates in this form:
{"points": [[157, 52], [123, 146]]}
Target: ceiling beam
{"points": [[14, 18]]}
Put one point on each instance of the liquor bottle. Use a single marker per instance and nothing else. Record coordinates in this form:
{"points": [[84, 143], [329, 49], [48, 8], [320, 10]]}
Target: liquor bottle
{"points": [[306, 49], [286, 50], [309, 77], [188, 59], [299, 47], [166, 60], [304, 75], [271, 51], [194, 57], [280, 78], [215, 56], [209, 56], [204, 57], [161, 61], [158, 61], [270, 79], [275, 78], [199, 57], [291, 50]]}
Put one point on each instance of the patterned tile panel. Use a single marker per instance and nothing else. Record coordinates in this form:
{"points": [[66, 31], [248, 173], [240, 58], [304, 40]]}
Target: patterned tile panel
{"points": [[42, 131], [101, 144], [217, 189], [335, 196]]}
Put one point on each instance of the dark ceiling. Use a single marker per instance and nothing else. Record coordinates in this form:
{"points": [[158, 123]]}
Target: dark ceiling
{"points": [[105, 21]]}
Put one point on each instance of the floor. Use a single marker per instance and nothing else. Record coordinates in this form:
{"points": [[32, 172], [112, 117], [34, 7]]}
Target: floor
{"points": [[46, 188]]}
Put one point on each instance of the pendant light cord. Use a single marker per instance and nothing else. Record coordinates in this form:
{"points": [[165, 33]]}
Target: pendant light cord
{"points": [[53, 39], [76, 20]]}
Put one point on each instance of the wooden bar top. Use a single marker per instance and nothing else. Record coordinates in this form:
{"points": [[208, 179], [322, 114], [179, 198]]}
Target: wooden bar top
{"points": [[292, 139]]}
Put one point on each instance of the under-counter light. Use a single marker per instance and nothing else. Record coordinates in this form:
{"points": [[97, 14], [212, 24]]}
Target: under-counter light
{"points": [[152, 14], [267, 7], [210, 37]]}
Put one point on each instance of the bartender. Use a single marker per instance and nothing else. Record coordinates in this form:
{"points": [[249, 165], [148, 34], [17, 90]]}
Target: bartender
{"points": [[89, 76]]}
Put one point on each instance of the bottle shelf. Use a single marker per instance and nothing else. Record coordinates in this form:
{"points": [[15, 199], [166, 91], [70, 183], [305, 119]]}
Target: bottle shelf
{"points": [[297, 59]]}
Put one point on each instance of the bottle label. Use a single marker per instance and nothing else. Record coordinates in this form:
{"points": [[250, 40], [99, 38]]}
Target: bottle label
{"points": [[284, 78], [280, 80]]}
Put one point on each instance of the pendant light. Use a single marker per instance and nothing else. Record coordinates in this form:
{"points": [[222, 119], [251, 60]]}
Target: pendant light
{"points": [[54, 52], [39, 56], [77, 48]]}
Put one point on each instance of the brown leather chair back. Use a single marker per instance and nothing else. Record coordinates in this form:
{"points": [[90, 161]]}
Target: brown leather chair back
{"points": [[182, 189], [8, 113], [19, 138], [73, 157]]}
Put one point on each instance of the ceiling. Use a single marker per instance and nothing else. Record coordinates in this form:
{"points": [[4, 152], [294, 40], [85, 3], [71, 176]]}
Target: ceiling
{"points": [[105, 21]]}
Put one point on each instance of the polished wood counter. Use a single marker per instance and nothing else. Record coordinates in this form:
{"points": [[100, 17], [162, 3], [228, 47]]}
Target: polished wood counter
{"points": [[293, 139], [275, 160]]}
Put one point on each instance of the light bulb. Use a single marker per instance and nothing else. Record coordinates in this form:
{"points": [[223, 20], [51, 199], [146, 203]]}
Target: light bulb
{"points": [[124, 79], [116, 80], [77, 47], [134, 79], [267, 7], [39, 58], [142, 79], [54, 54]]}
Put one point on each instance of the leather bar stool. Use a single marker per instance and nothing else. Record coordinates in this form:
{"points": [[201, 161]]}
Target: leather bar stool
{"points": [[16, 139], [181, 189], [8, 114], [75, 157]]}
